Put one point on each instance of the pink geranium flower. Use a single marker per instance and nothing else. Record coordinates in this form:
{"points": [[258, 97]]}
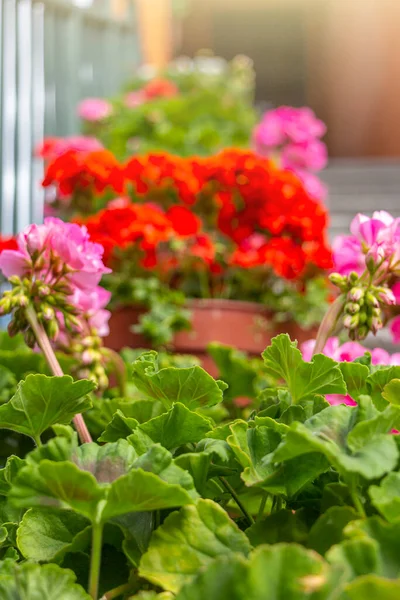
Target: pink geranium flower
{"points": [[69, 243], [94, 109]]}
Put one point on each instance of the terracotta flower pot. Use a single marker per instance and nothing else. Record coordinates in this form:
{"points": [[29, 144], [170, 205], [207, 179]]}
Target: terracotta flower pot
{"points": [[245, 325]]}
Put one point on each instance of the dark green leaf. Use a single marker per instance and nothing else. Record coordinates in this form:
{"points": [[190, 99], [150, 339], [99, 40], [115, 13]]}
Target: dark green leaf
{"points": [[281, 526], [42, 401], [355, 376], [120, 427], [386, 496], [47, 534], [191, 386], [188, 540], [304, 380], [177, 427], [34, 582], [328, 529]]}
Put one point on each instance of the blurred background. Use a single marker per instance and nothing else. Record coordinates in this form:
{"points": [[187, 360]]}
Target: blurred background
{"points": [[339, 57]]}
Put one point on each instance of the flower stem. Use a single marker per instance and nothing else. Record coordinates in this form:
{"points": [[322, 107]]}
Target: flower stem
{"points": [[236, 498], [55, 368], [95, 560], [262, 506], [329, 323], [116, 592]]}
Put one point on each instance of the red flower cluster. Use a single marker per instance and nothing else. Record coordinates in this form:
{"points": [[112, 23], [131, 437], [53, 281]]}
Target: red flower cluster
{"points": [[8, 243], [143, 226], [75, 172], [261, 215]]}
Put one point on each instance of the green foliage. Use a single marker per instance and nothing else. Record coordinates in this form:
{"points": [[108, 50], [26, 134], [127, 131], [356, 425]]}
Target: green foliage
{"points": [[292, 499], [213, 110]]}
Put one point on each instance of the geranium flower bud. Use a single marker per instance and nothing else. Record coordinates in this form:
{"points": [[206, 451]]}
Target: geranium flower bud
{"points": [[362, 332], [371, 300], [353, 277], [355, 294], [30, 339], [48, 313], [352, 308], [52, 329], [386, 296], [13, 328], [351, 321], [44, 291], [15, 280]]}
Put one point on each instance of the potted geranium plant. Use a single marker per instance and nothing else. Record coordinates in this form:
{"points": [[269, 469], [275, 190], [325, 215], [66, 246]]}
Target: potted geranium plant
{"points": [[231, 237], [195, 106]]}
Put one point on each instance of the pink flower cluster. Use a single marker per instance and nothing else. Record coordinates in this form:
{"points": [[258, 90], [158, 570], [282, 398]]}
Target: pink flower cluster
{"points": [[375, 239], [374, 245], [61, 253], [94, 109], [292, 135], [348, 352], [53, 147]]}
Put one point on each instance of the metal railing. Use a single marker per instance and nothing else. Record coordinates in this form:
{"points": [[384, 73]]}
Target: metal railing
{"points": [[52, 54]]}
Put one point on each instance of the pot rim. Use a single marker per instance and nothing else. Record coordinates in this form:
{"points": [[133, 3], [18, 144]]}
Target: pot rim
{"points": [[210, 304]]}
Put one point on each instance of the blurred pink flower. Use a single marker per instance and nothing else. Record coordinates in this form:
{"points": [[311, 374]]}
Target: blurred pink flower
{"points": [[311, 154], [51, 148], [348, 352], [287, 124], [313, 184], [91, 304], [55, 240], [94, 109], [394, 327], [347, 255], [134, 99]]}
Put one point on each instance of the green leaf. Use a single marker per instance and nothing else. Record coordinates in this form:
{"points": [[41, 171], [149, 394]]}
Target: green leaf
{"points": [[355, 557], [57, 449], [106, 463], [42, 401], [34, 582], [47, 534], [391, 392], [281, 572], [355, 376], [236, 369], [140, 491], [328, 528], [281, 526], [386, 497], [8, 384], [291, 476], [188, 540], [372, 587], [159, 461], [386, 539], [321, 376], [177, 427], [377, 382], [120, 427], [191, 386], [9, 473], [57, 485], [327, 433], [251, 445]]}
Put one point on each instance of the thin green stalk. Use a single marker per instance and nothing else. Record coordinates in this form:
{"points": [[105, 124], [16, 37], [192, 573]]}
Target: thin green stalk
{"points": [[116, 592], [46, 347], [38, 441], [236, 498], [262, 507], [329, 323], [357, 502], [95, 560]]}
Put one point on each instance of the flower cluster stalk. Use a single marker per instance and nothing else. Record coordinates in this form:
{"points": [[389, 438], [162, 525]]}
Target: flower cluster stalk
{"points": [[45, 345]]}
